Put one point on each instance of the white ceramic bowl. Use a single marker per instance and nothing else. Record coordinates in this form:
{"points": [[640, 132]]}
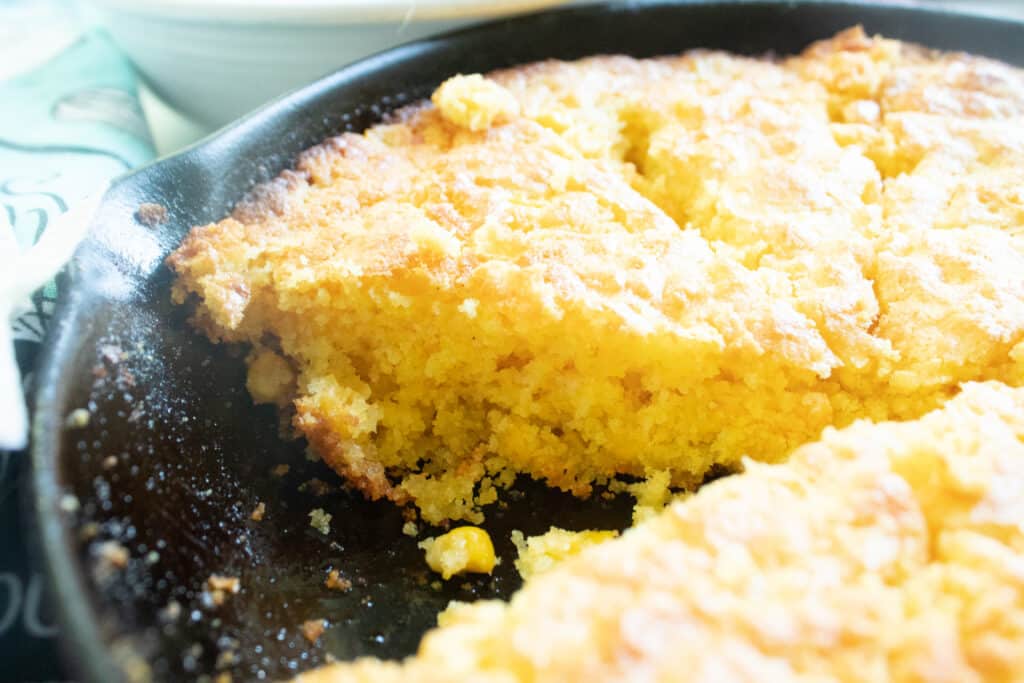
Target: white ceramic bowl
{"points": [[217, 59]]}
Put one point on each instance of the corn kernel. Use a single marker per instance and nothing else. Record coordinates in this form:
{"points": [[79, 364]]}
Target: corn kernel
{"points": [[467, 549]]}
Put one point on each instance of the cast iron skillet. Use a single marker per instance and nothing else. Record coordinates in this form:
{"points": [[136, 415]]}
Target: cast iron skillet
{"points": [[175, 456]]}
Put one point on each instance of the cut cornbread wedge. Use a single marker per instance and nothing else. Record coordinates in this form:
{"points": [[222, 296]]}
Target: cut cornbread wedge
{"points": [[883, 552], [616, 267]]}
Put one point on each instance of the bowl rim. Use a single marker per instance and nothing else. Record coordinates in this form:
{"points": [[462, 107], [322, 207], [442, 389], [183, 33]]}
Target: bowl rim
{"points": [[333, 12]]}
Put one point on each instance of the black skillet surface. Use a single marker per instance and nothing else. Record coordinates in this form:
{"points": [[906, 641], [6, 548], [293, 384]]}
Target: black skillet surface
{"points": [[175, 456]]}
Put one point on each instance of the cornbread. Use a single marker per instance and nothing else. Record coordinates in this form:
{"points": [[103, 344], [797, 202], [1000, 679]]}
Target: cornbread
{"points": [[538, 554], [220, 588], [623, 267], [883, 552]]}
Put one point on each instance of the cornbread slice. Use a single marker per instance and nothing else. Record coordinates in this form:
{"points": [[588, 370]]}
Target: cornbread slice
{"points": [[617, 266], [883, 552]]}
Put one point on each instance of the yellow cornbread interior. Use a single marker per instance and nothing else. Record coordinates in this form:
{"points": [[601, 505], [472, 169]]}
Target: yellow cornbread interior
{"points": [[620, 266], [884, 552]]}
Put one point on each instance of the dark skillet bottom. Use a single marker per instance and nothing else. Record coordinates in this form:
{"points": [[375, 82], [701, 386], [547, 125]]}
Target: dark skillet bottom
{"points": [[172, 465], [175, 457]]}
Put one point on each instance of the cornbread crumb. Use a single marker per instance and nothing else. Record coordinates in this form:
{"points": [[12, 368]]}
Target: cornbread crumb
{"points": [[218, 582], [335, 581], [280, 470], [112, 555], [474, 102], [313, 629], [219, 587], [320, 520], [226, 659], [883, 552], [466, 549], [538, 554], [89, 531], [410, 529], [652, 495], [258, 512], [77, 419], [151, 215]]}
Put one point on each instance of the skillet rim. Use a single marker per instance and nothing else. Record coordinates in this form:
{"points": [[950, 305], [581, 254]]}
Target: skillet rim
{"points": [[80, 630]]}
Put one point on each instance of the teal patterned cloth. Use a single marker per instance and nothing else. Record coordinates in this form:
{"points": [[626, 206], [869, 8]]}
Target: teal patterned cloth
{"points": [[67, 128]]}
